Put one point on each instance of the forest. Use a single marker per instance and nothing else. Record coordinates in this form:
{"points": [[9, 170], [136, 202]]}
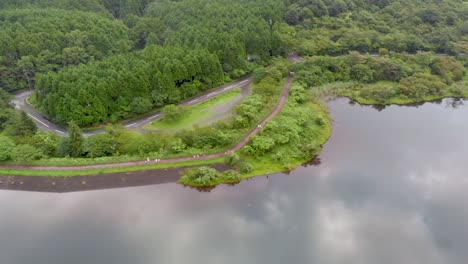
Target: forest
{"points": [[98, 62]]}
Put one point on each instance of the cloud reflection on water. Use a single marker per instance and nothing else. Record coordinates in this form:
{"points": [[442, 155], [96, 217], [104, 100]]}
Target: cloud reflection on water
{"points": [[391, 188]]}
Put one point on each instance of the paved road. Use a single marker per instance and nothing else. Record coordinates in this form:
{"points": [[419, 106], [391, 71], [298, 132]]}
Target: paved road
{"points": [[278, 108], [44, 124], [20, 104]]}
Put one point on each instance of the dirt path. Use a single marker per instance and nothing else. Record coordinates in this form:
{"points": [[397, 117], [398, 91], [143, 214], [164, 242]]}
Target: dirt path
{"points": [[281, 103]]}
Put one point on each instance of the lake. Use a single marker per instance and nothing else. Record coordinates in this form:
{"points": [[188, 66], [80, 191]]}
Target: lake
{"points": [[389, 187]]}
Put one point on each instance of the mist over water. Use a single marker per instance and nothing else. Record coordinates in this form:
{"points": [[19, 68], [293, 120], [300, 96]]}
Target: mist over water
{"points": [[390, 188]]}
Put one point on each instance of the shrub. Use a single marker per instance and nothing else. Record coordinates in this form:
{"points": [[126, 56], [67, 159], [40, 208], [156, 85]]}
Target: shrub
{"points": [[232, 159], [278, 156], [319, 121], [420, 85], [203, 176], [6, 147], [177, 146], [232, 175], [25, 153], [245, 167], [298, 94]]}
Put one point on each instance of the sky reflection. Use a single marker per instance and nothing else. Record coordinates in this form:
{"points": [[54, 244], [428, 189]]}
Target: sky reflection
{"points": [[390, 189]]}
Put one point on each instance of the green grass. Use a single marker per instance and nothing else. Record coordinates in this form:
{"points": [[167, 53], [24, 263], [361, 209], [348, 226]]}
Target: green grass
{"points": [[264, 165], [198, 113], [70, 173], [32, 102]]}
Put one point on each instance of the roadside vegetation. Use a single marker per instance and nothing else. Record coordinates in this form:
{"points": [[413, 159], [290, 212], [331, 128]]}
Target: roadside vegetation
{"points": [[118, 144], [97, 62], [186, 117], [294, 136]]}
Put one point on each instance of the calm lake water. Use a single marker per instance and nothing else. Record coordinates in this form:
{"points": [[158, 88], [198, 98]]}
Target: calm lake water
{"points": [[391, 188]]}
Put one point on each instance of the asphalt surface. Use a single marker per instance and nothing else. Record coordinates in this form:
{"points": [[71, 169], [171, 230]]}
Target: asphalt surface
{"points": [[255, 131], [44, 124], [20, 103]]}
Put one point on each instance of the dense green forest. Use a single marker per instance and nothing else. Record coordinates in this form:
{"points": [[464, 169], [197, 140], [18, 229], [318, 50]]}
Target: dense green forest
{"points": [[93, 62], [36, 41], [390, 78], [125, 85], [39, 38], [197, 51], [319, 27]]}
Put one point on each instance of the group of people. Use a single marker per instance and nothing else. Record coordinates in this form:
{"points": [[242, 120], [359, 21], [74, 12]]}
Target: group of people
{"points": [[148, 160]]}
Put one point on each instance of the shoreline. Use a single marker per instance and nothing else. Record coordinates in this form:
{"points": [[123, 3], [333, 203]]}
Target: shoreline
{"points": [[144, 177], [94, 182]]}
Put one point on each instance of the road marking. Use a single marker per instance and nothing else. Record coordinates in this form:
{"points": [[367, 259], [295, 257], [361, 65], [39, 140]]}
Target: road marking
{"points": [[152, 117], [38, 120], [194, 101], [130, 125], [61, 132], [244, 81], [211, 94]]}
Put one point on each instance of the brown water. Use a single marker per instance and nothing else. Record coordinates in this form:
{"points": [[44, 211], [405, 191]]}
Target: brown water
{"points": [[390, 188]]}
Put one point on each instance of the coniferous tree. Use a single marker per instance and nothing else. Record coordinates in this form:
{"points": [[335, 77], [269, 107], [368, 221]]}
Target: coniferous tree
{"points": [[75, 139]]}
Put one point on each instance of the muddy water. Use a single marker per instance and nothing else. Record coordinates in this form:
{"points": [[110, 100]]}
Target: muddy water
{"points": [[390, 187]]}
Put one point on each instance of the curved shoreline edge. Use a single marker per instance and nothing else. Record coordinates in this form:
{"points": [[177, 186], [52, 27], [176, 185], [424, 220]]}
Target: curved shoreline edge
{"points": [[242, 143], [142, 177], [211, 157]]}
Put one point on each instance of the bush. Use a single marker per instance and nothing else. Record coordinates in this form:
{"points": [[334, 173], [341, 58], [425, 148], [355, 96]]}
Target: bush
{"points": [[319, 121], [25, 153], [259, 74], [100, 145], [278, 156], [6, 147], [298, 94], [177, 146], [232, 175], [203, 176], [420, 85], [232, 159], [245, 167]]}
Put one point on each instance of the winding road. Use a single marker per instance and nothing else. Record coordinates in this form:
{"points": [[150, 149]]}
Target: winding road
{"points": [[278, 108], [47, 125], [20, 103]]}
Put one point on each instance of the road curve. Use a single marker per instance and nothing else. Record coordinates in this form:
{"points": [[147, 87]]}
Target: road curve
{"points": [[278, 108], [20, 103]]}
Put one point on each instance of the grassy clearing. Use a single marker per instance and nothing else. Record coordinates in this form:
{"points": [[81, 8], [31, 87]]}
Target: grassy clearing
{"points": [[198, 114], [71, 173], [32, 102]]}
